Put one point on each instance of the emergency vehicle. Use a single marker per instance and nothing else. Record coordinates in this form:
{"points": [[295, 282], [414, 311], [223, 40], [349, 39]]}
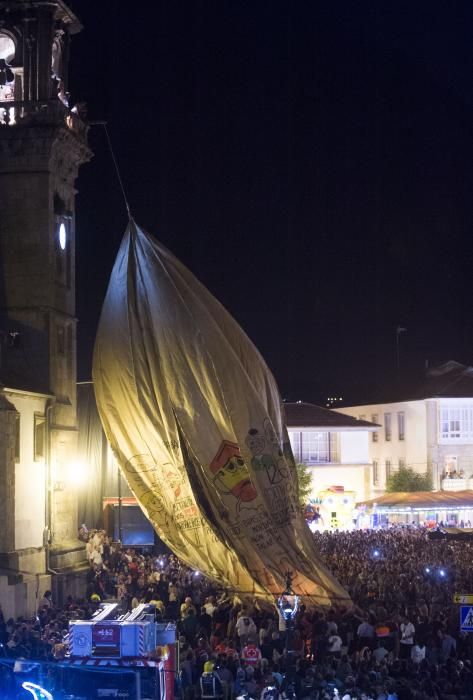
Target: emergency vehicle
{"points": [[131, 639]]}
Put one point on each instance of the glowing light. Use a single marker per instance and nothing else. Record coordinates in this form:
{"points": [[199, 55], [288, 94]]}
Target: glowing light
{"points": [[376, 553], [37, 691], [427, 570], [442, 573], [196, 573], [62, 236], [77, 474]]}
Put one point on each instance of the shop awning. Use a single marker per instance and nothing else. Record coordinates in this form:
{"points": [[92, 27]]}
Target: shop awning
{"points": [[422, 500]]}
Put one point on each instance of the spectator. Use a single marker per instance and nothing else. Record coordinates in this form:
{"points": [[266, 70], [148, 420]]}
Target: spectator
{"points": [[245, 628], [46, 600], [210, 683], [366, 634], [448, 646], [407, 630], [361, 651], [418, 653]]}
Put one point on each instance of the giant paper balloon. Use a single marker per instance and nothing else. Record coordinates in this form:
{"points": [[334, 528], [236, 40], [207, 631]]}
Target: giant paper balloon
{"points": [[194, 418]]}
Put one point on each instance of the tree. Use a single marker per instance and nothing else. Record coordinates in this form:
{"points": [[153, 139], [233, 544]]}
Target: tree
{"points": [[304, 479], [406, 479]]}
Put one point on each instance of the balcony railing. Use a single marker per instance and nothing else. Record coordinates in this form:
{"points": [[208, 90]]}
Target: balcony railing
{"points": [[458, 484], [51, 112]]}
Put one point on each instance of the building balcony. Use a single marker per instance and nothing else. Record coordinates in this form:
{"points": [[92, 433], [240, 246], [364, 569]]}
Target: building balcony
{"points": [[42, 112], [456, 484]]}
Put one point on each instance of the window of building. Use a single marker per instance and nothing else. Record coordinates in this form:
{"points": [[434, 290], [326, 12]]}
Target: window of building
{"points": [[456, 422], [334, 447], [401, 425], [70, 351], [387, 427], [374, 419], [17, 437], [315, 447], [375, 472], [39, 437], [61, 340], [10, 80], [388, 468], [295, 440], [7, 47]]}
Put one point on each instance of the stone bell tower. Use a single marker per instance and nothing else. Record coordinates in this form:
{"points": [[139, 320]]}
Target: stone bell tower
{"points": [[43, 142]]}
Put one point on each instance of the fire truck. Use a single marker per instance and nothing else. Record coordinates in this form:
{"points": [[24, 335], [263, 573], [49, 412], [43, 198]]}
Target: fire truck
{"points": [[112, 638]]}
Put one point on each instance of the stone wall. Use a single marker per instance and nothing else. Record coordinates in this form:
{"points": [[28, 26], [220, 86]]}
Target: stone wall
{"points": [[8, 415]]}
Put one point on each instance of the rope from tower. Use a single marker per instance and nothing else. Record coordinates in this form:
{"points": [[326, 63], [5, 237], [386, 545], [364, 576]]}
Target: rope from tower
{"points": [[115, 162]]}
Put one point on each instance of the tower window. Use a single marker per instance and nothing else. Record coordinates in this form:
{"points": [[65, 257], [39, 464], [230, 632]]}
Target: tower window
{"points": [[39, 437], [61, 340], [17, 438], [69, 353], [7, 79], [7, 48]]}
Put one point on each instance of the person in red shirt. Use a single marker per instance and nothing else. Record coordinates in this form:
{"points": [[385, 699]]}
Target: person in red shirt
{"points": [[250, 654], [133, 569]]}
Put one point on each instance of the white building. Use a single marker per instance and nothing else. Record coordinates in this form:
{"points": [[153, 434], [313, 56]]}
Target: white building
{"points": [[335, 447], [433, 433], [23, 491]]}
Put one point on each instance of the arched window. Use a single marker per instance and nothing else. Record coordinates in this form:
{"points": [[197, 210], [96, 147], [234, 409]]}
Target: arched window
{"points": [[7, 47]]}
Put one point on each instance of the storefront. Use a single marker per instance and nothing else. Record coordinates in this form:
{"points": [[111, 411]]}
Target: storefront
{"points": [[429, 508]]}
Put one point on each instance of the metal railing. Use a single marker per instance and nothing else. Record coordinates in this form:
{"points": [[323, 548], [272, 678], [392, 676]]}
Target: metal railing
{"points": [[53, 112]]}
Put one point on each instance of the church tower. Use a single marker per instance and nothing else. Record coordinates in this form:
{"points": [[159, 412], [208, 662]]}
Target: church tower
{"points": [[43, 142]]}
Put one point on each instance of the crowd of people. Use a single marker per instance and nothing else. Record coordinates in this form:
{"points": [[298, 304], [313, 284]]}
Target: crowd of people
{"points": [[399, 640]]}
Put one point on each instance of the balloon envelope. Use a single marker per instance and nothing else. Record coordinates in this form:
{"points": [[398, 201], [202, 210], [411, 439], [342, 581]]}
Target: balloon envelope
{"points": [[194, 417]]}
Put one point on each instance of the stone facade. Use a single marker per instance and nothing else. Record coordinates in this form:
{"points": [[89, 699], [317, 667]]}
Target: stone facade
{"points": [[42, 146], [7, 474]]}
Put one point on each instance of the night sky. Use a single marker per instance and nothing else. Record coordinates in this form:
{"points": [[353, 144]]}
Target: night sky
{"points": [[312, 164]]}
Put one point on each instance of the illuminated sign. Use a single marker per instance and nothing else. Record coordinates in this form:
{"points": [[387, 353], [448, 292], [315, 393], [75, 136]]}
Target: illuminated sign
{"points": [[463, 598], [106, 634], [106, 640], [37, 691]]}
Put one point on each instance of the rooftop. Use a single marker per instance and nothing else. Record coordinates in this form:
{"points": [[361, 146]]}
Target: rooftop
{"points": [[450, 379], [308, 415]]}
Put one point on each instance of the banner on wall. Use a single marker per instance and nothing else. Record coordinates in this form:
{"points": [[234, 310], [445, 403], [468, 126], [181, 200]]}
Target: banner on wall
{"points": [[194, 418]]}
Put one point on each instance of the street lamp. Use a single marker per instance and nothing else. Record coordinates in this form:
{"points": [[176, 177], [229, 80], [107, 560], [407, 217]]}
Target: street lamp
{"points": [[288, 605]]}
